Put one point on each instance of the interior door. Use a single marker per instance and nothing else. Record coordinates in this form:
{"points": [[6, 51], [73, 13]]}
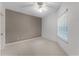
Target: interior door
{"points": [[2, 26]]}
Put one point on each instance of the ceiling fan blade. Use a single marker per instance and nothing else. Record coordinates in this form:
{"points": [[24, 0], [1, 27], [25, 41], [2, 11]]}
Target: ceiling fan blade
{"points": [[49, 6], [24, 6]]}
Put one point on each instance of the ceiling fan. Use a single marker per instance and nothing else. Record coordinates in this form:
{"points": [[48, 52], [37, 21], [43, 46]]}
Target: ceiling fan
{"points": [[41, 6]]}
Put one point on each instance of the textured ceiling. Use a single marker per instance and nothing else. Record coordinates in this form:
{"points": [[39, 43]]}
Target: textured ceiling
{"points": [[28, 7]]}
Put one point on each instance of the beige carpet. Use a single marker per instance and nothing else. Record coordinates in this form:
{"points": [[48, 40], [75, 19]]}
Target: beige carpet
{"points": [[33, 47]]}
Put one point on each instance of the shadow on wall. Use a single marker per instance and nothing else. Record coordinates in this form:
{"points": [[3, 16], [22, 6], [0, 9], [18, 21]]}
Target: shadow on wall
{"points": [[21, 26]]}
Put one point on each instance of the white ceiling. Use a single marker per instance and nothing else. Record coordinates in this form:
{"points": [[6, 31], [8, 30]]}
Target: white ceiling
{"points": [[28, 8]]}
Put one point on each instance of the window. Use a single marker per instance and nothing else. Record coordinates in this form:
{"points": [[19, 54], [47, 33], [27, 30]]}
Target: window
{"points": [[62, 30]]}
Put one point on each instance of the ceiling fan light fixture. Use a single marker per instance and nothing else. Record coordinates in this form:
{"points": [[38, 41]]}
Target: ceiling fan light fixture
{"points": [[40, 10], [40, 6]]}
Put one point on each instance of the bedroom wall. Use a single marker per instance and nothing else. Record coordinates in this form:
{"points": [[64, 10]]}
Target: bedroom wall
{"points": [[49, 28], [72, 46], [49, 24], [21, 26]]}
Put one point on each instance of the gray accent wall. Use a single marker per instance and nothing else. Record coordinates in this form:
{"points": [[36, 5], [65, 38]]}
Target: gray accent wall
{"points": [[21, 26]]}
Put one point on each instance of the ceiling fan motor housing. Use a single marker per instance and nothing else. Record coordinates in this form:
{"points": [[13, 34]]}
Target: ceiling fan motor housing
{"points": [[40, 4]]}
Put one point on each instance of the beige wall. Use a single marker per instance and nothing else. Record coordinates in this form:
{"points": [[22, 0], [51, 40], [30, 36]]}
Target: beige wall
{"points": [[20, 26]]}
